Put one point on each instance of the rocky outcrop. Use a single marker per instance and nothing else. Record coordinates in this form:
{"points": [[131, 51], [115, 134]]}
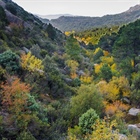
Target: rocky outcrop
{"points": [[13, 19], [2, 3], [134, 111]]}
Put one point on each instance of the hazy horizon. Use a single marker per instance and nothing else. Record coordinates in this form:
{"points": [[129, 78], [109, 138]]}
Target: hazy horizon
{"points": [[76, 7]]}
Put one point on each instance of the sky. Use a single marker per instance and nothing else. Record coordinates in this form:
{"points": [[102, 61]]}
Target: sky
{"points": [[76, 7]]}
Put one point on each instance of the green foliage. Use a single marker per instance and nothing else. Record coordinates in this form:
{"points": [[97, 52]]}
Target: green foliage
{"points": [[32, 104], [105, 72], [87, 120], [11, 8], [87, 97], [126, 67], [35, 50], [127, 42], [106, 42], [25, 135], [98, 55], [76, 82], [10, 61], [135, 87], [51, 32], [72, 48], [3, 19]]}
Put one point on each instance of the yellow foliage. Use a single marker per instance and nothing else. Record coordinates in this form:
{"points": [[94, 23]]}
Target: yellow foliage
{"points": [[115, 88], [106, 53], [68, 33], [86, 79], [97, 67], [103, 130], [96, 50], [123, 85], [113, 67], [109, 90], [73, 65], [107, 60], [88, 53], [31, 63], [132, 63]]}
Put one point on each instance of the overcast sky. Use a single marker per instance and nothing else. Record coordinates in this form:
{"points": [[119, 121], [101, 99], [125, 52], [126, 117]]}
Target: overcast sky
{"points": [[76, 7]]}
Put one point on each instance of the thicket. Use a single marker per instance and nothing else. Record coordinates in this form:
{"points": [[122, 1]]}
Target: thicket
{"points": [[54, 87]]}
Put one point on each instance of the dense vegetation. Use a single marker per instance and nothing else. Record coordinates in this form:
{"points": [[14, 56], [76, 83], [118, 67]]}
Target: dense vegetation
{"points": [[53, 87]]}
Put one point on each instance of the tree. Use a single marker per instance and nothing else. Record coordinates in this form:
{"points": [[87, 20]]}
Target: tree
{"points": [[3, 19], [104, 130], [51, 32], [87, 120], [105, 72], [135, 87], [72, 48], [115, 89], [11, 7], [10, 62], [14, 96], [87, 97], [31, 63]]}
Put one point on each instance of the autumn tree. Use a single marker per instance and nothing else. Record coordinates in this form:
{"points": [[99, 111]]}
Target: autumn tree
{"points": [[31, 63], [104, 130], [14, 96]]}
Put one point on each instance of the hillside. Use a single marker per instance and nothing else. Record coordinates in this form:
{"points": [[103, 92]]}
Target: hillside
{"points": [[83, 23], [53, 87]]}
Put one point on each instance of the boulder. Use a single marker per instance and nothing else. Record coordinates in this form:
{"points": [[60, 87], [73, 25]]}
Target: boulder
{"points": [[134, 129], [134, 111], [80, 73]]}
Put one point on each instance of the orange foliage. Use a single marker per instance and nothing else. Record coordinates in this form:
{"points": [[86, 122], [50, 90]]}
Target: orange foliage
{"points": [[106, 53], [14, 96], [117, 106], [73, 75]]}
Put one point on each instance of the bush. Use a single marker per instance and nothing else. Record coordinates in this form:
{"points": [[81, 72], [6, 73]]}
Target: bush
{"points": [[10, 62], [87, 120]]}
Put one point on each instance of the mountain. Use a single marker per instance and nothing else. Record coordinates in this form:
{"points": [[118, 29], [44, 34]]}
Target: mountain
{"points": [[79, 23], [54, 16]]}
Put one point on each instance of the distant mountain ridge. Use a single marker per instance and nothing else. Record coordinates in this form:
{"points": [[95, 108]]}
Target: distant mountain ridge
{"points": [[79, 23], [49, 17]]}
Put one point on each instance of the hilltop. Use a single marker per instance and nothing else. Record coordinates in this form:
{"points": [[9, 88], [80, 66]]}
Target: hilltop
{"points": [[80, 23]]}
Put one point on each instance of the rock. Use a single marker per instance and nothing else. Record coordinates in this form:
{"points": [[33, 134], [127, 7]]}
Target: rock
{"points": [[122, 137], [68, 80], [80, 73], [134, 111], [126, 100], [138, 125], [26, 50], [13, 19], [2, 3], [134, 129]]}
